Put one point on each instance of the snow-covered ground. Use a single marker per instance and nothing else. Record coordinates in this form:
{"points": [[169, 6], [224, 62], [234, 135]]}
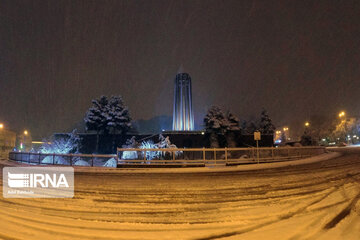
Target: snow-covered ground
{"points": [[317, 200]]}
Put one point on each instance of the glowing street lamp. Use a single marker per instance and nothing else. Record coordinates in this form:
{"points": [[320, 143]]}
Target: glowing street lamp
{"points": [[1, 126], [342, 114], [285, 128], [26, 133], [307, 124]]}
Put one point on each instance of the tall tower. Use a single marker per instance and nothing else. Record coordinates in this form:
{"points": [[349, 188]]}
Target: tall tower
{"points": [[183, 118]]}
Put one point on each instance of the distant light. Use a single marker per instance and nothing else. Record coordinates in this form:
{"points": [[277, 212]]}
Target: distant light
{"points": [[286, 128], [39, 142], [26, 132], [202, 133], [21, 146], [323, 139], [307, 124], [348, 136], [354, 136], [1, 125], [163, 130]]}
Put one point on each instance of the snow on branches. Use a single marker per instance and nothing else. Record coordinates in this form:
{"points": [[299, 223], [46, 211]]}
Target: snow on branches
{"points": [[108, 115]]}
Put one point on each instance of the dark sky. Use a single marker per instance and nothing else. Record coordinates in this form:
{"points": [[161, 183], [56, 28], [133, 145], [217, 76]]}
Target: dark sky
{"points": [[295, 58]]}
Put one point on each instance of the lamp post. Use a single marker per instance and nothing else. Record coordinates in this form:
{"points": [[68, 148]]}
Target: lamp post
{"points": [[286, 131], [342, 115]]}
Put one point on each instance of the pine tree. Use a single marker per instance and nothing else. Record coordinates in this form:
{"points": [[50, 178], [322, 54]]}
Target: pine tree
{"points": [[95, 118], [117, 116], [233, 122], [266, 126], [233, 125], [108, 116], [215, 124]]}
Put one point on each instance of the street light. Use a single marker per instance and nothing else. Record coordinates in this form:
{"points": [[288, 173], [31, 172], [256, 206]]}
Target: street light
{"points": [[342, 114], [1, 126], [26, 133], [307, 124], [286, 132]]}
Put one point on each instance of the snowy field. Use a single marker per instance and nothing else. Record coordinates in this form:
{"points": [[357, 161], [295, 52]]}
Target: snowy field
{"points": [[317, 200]]}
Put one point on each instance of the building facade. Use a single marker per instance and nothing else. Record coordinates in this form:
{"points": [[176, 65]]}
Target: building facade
{"points": [[183, 117]]}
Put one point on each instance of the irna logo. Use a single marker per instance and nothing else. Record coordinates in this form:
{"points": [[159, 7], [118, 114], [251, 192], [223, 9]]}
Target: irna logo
{"points": [[38, 182], [33, 180]]}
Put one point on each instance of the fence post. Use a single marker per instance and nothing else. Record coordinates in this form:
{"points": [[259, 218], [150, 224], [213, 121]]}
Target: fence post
{"points": [[204, 155], [39, 158], [92, 160], [225, 155], [29, 158], [215, 155], [53, 158], [173, 152], [70, 161]]}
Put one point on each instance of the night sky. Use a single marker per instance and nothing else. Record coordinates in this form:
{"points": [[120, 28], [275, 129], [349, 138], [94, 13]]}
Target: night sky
{"points": [[295, 58]]}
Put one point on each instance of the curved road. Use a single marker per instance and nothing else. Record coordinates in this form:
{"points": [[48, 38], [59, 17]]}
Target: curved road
{"points": [[313, 201]]}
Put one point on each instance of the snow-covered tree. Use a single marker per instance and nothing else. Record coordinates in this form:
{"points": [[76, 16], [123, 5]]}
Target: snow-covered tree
{"points": [[150, 155], [108, 116], [117, 116], [95, 118], [130, 143], [233, 125], [64, 145], [266, 126], [216, 124], [164, 142], [233, 121]]}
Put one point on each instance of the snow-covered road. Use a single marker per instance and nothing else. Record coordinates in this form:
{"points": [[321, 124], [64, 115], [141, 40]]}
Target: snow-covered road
{"points": [[312, 201]]}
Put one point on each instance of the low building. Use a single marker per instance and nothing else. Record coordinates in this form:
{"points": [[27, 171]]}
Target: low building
{"points": [[7, 142]]}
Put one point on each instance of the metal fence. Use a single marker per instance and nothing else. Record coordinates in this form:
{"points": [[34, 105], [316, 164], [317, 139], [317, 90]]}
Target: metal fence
{"points": [[211, 157], [184, 157], [64, 159]]}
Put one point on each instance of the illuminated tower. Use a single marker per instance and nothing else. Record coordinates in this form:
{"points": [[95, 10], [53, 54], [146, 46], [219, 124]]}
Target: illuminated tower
{"points": [[183, 118]]}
